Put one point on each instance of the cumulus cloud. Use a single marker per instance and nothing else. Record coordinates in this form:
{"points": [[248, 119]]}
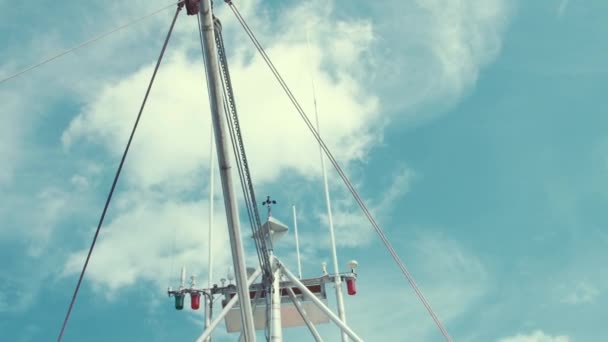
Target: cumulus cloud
{"points": [[351, 226], [356, 63], [11, 133], [170, 147], [150, 242], [452, 278], [536, 336], [581, 293], [430, 52], [172, 134]]}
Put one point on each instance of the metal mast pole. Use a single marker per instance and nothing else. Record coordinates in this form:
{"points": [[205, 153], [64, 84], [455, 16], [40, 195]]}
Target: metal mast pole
{"points": [[295, 227], [276, 329], [216, 100], [209, 303], [338, 279]]}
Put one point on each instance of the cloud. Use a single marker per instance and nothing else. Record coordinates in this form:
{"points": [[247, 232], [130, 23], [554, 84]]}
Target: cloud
{"points": [[11, 135], [352, 228], [437, 53], [561, 9], [581, 293], [171, 140], [170, 151], [150, 242], [451, 277], [536, 336]]}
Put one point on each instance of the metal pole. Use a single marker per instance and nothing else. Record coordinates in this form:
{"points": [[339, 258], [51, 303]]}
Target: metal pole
{"points": [[207, 316], [207, 333], [211, 198], [182, 278], [208, 307], [338, 280], [216, 101], [302, 313], [276, 330], [320, 304], [295, 227]]}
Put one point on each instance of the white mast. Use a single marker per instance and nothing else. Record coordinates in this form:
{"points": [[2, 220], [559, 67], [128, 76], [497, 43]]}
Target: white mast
{"points": [[338, 279], [208, 303], [295, 227], [216, 101]]}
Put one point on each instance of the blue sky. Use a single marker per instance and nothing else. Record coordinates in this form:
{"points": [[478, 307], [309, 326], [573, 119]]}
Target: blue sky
{"points": [[474, 130]]}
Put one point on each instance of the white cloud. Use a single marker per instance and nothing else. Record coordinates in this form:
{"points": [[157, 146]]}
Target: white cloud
{"points": [[581, 293], [451, 278], [536, 336], [171, 139], [150, 242], [431, 52], [561, 9], [170, 148], [11, 132], [352, 228]]}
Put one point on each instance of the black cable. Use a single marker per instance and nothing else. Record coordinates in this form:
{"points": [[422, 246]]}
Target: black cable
{"points": [[238, 145], [122, 162], [342, 174], [85, 43]]}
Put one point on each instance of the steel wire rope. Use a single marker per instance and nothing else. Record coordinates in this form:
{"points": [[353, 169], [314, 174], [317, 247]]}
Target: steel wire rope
{"points": [[118, 171], [342, 174], [243, 170], [241, 158], [86, 42]]}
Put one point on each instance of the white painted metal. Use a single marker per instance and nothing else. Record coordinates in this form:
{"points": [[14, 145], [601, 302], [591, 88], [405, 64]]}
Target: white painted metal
{"points": [[289, 314], [217, 113], [207, 333], [295, 227], [211, 200], [182, 278], [208, 306], [276, 330], [207, 316], [275, 228], [302, 313], [320, 304]]}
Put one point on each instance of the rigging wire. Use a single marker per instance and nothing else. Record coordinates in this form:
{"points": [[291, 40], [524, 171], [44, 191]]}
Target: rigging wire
{"points": [[342, 174], [236, 137], [118, 171], [85, 43]]}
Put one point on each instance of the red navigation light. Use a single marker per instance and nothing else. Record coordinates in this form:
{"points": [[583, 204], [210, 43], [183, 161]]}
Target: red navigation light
{"points": [[351, 286], [195, 300]]}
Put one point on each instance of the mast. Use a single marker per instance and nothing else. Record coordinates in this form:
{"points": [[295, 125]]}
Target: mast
{"points": [[216, 99], [295, 227], [209, 303]]}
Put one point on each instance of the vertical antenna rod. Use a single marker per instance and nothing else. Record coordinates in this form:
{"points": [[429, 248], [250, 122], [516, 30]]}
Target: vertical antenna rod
{"points": [[332, 237], [209, 303], [221, 135], [295, 227]]}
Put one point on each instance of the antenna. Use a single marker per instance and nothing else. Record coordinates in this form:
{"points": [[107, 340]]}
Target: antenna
{"points": [[229, 275], [183, 278], [295, 227], [332, 238]]}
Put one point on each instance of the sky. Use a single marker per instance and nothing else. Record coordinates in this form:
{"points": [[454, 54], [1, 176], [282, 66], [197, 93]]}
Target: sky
{"points": [[474, 130]]}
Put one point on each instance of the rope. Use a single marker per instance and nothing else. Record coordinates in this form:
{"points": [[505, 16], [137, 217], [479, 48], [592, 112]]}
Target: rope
{"points": [[85, 43], [343, 175], [118, 171]]}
